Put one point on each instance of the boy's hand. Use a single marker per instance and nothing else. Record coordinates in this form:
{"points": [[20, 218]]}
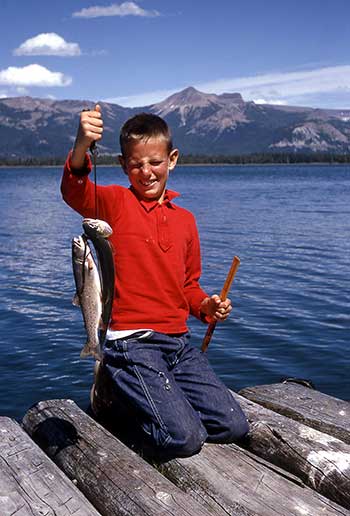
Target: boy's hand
{"points": [[216, 309], [90, 130]]}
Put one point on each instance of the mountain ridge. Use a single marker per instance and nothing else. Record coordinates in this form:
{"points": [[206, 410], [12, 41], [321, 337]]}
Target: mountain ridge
{"points": [[201, 123]]}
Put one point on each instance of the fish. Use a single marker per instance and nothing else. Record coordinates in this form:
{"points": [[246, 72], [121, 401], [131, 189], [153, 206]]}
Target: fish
{"points": [[88, 294], [98, 232], [94, 283]]}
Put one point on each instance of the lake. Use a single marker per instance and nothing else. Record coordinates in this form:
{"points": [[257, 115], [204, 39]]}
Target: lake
{"points": [[288, 224]]}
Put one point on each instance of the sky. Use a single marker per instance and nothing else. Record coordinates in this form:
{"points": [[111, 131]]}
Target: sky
{"points": [[138, 53]]}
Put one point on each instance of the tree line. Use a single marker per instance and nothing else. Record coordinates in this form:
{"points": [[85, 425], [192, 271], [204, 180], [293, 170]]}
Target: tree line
{"points": [[193, 159]]}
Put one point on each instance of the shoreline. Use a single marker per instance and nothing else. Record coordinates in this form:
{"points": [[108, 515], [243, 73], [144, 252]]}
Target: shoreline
{"points": [[116, 165]]}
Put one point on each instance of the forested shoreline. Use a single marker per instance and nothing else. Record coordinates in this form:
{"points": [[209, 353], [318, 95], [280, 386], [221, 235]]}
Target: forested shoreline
{"points": [[197, 159]]}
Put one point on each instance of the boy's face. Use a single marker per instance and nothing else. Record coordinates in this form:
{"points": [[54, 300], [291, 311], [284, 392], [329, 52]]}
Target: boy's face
{"points": [[147, 164]]}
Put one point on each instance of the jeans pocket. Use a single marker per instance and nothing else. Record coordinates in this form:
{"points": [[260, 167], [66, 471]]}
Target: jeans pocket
{"points": [[115, 354]]}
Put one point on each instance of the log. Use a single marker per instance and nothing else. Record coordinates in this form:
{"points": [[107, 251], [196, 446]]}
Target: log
{"points": [[236, 477], [114, 478], [312, 408], [321, 477], [322, 462], [30, 483], [103, 399]]}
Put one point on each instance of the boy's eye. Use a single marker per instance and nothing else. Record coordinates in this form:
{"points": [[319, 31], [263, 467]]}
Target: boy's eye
{"points": [[153, 163]]}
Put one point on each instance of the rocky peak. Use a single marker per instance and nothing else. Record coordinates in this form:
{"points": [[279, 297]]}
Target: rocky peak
{"points": [[233, 98], [190, 99], [195, 98], [187, 97]]}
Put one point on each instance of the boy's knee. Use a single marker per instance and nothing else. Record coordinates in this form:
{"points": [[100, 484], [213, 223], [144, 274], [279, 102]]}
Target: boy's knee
{"points": [[237, 427], [185, 442], [232, 426]]}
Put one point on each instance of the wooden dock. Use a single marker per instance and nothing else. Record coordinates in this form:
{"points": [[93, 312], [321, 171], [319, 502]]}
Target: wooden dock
{"points": [[296, 461]]}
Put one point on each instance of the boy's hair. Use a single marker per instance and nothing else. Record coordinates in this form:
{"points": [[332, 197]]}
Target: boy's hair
{"points": [[142, 127]]}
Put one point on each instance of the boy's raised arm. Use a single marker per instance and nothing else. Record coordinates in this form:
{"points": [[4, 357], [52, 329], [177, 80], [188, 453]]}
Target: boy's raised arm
{"points": [[77, 191], [90, 129]]}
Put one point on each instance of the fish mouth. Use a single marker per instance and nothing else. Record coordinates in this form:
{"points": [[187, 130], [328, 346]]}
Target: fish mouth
{"points": [[78, 242], [80, 249], [100, 227]]}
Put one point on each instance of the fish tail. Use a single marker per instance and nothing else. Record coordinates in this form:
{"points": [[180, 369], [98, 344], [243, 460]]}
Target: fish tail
{"points": [[90, 349]]}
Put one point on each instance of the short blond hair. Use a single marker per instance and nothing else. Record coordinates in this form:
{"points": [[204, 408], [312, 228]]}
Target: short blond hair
{"points": [[142, 127]]}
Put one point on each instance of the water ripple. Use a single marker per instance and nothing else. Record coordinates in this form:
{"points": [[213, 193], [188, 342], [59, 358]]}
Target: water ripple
{"points": [[291, 295]]}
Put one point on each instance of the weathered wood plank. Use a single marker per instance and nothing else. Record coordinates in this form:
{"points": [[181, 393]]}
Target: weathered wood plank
{"points": [[30, 483], [236, 477], [114, 478], [312, 408], [322, 462]]}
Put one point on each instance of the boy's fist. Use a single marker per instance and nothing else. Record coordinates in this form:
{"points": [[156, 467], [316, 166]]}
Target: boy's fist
{"points": [[90, 127], [216, 309], [90, 130]]}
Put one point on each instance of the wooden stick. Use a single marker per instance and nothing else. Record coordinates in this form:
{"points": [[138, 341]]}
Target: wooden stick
{"points": [[225, 290]]}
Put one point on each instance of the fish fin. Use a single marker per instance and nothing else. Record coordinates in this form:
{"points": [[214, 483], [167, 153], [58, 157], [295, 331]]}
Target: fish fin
{"points": [[76, 300]]}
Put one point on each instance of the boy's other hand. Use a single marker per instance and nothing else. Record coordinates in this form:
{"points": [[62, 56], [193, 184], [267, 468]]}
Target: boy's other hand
{"points": [[90, 130], [216, 309]]}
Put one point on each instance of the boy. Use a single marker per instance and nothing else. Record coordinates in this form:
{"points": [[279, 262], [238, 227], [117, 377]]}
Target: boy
{"points": [[176, 400]]}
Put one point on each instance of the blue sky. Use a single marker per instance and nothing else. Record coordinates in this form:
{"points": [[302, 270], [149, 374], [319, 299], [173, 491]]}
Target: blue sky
{"points": [[137, 53]]}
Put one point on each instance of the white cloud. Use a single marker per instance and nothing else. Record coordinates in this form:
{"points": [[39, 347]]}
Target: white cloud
{"points": [[273, 102], [3, 94], [307, 87], [124, 9], [285, 86], [47, 44], [22, 91], [33, 75]]}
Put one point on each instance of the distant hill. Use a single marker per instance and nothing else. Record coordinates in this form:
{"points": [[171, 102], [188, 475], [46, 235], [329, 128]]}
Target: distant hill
{"points": [[202, 123]]}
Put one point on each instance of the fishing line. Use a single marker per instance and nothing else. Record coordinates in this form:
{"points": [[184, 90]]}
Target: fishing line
{"points": [[94, 154]]}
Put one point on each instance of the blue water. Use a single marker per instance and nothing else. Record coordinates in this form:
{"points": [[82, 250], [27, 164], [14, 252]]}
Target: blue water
{"points": [[289, 226]]}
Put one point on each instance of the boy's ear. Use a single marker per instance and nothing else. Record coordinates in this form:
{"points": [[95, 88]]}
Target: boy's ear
{"points": [[173, 157], [122, 162]]}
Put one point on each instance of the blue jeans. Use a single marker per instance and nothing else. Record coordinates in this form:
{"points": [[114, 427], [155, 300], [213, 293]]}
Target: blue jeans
{"points": [[172, 395]]}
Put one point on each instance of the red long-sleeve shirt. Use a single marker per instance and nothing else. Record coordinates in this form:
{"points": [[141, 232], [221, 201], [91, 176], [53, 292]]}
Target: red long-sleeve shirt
{"points": [[156, 254]]}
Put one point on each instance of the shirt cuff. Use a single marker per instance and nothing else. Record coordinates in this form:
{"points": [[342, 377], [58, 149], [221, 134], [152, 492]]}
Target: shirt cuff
{"points": [[84, 171], [205, 318], [195, 305]]}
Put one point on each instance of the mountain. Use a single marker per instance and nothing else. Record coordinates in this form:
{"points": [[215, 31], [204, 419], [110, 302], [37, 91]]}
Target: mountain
{"points": [[202, 123]]}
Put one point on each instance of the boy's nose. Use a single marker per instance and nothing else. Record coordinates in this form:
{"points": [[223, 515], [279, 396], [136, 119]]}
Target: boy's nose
{"points": [[146, 169]]}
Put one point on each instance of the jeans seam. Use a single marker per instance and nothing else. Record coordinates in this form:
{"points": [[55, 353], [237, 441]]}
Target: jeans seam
{"points": [[145, 389], [149, 397]]}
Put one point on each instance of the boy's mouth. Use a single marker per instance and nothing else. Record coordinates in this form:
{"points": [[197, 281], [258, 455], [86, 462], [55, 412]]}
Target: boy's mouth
{"points": [[148, 183]]}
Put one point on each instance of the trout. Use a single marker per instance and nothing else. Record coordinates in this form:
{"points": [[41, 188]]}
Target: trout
{"points": [[98, 232], [88, 294]]}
